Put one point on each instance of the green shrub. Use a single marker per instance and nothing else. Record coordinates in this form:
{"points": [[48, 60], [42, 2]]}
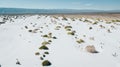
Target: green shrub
{"points": [[46, 63], [29, 30], [45, 35], [115, 20], [108, 22], [49, 40], [44, 47], [64, 18], [68, 27], [37, 53], [71, 33], [26, 27], [90, 28], [45, 43], [95, 22], [80, 41], [54, 37], [41, 58], [46, 52]]}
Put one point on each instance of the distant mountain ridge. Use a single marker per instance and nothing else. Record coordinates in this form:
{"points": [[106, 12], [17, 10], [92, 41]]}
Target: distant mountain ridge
{"points": [[51, 11]]}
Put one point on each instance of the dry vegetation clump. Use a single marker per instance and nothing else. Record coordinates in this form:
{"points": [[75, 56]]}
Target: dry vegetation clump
{"points": [[101, 26], [49, 35], [79, 41], [46, 52], [37, 53], [115, 20], [46, 63], [68, 27], [57, 27], [55, 17], [26, 27], [91, 49], [86, 20], [29, 30], [44, 48], [90, 28], [71, 33], [41, 58], [64, 18], [45, 43], [95, 22], [108, 22], [33, 31], [45, 36]]}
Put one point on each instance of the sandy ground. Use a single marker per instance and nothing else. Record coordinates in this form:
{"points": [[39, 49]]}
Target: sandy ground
{"points": [[106, 17]]}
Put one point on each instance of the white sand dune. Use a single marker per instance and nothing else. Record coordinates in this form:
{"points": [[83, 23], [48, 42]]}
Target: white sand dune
{"points": [[17, 42]]}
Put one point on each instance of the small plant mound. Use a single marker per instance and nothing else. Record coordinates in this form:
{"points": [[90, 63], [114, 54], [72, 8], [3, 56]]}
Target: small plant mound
{"points": [[90, 28], [80, 41], [115, 20], [29, 30], [68, 27], [95, 22], [46, 52], [44, 47], [46, 63], [71, 33], [54, 37], [45, 43], [37, 53], [45, 35], [91, 49], [57, 27], [64, 18]]}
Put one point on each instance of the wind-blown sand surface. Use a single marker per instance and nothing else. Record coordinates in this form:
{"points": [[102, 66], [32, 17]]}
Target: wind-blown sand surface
{"points": [[107, 17], [60, 40]]}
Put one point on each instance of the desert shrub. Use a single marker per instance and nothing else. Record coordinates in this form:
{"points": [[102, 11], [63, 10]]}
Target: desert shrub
{"points": [[18, 62], [86, 20], [68, 27], [90, 28], [80, 41], [95, 22], [29, 30], [64, 18], [45, 35], [46, 52], [57, 27], [26, 27], [41, 58], [49, 40], [45, 43], [115, 20], [91, 49], [102, 26], [55, 17], [37, 53], [108, 31], [71, 33], [108, 22], [44, 56], [54, 37], [44, 47], [46, 63]]}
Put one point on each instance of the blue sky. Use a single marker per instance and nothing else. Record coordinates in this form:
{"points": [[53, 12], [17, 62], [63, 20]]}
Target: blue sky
{"points": [[62, 4]]}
